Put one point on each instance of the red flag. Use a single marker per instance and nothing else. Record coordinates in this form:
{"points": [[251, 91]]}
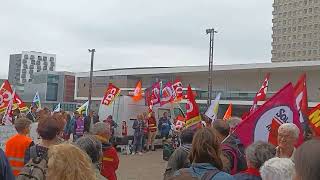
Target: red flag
{"points": [[155, 93], [111, 93], [178, 90], [137, 95], [261, 94], [193, 114], [300, 93], [167, 94], [257, 125], [6, 94], [228, 113], [314, 119], [273, 135]]}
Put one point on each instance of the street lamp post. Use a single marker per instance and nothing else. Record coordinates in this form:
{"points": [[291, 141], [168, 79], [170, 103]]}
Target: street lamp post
{"points": [[92, 51], [210, 72]]}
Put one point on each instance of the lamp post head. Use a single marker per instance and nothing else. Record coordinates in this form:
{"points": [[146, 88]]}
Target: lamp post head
{"points": [[208, 31]]}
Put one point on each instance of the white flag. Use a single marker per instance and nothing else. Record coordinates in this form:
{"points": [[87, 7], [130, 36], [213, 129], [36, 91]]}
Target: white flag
{"points": [[57, 108], [212, 111]]}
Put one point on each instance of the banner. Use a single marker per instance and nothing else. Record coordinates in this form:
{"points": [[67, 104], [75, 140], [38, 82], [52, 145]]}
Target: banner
{"points": [[111, 93], [193, 114], [212, 111], [301, 95], [258, 124], [314, 119], [228, 113], [36, 101], [273, 135], [178, 90], [261, 94], [7, 118], [6, 94], [137, 94], [156, 93], [167, 94], [84, 108]]}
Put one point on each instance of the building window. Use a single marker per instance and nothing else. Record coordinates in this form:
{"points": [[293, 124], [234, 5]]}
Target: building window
{"points": [[25, 56], [52, 92]]}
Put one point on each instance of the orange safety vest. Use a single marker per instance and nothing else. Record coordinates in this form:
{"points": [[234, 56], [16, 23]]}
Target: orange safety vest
{"points": [[15, 149]]}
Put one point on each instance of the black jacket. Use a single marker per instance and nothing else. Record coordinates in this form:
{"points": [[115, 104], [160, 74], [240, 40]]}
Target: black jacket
{"points": [[5, 168], [87, 122]]}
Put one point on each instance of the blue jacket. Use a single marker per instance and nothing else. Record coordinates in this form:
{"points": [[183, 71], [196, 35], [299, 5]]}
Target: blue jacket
{"points": [[197, 170], [164, 125], [5, 169]]}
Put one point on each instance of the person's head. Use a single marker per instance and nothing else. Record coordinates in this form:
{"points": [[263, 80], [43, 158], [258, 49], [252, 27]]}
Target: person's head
{"points": [[76, 114], [277, 169], [109, 117], [233, 122], [102, 129], [67, 161], [34, 108], [16, 112], [92, 146], [258, 153], [187, 136], [22, 125], [222, 128], [206, 148], [42, 114], [288, 134], [307, 160], [165, 114], [49, 128], [140, 117]]}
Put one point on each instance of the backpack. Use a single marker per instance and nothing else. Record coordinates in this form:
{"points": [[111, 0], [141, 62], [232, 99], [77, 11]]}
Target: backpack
{"points": [[36, 168], [237, 157], [184, 174]]}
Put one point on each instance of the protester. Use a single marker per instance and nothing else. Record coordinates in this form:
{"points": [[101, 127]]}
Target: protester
{"points": [[138, 126], [48, 129], [277, 169], [89, 121], [179, 158], [145, 131], [15, 115], [111, 124], [164, 126], [69, 127], [232, 148], [233, 122], [256, 155], [110, 161], [205, 158], [93, 147], [152, 131], [17, 145], [288, 134], [5, 168], [32, 114], [68, 162], [78, 126], [307, 160]]}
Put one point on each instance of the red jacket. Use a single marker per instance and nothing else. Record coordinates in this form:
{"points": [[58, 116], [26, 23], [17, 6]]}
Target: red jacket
{"points": [[152, 124], [110, 161]]}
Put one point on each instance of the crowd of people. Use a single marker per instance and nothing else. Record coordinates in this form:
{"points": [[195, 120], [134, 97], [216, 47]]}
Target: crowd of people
{"points": [[71, 147], [78, 147], [214, 152]]}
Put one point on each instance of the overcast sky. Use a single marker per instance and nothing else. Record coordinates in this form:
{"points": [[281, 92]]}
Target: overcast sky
{"points": [[136, 33]]}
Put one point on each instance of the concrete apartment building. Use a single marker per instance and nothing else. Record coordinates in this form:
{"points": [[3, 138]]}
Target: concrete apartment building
{"points": [[296, 30], [23, 66]]}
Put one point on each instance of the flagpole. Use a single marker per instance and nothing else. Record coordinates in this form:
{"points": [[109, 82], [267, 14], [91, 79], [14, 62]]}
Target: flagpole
{"points": [[210, 74], [92, 51]]}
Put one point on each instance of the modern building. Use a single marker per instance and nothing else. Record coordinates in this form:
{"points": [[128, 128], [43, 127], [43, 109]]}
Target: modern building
{"points": [[296, 30], [53, 87], [237, 83], [23, 66]]}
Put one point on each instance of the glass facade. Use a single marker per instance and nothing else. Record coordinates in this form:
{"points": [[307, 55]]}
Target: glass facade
{"points": [[52, 87]]}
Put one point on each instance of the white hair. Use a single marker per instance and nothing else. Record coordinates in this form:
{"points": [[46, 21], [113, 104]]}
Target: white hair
{"points": [[101, 128], [292, 128], [277, 169]]}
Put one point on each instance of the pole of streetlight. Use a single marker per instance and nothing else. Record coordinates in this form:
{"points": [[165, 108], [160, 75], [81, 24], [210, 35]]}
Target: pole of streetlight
{"points": [[210, 71], [90, 80]]}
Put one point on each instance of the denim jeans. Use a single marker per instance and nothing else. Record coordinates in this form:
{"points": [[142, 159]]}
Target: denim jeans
{"points": [[137, 143]]}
